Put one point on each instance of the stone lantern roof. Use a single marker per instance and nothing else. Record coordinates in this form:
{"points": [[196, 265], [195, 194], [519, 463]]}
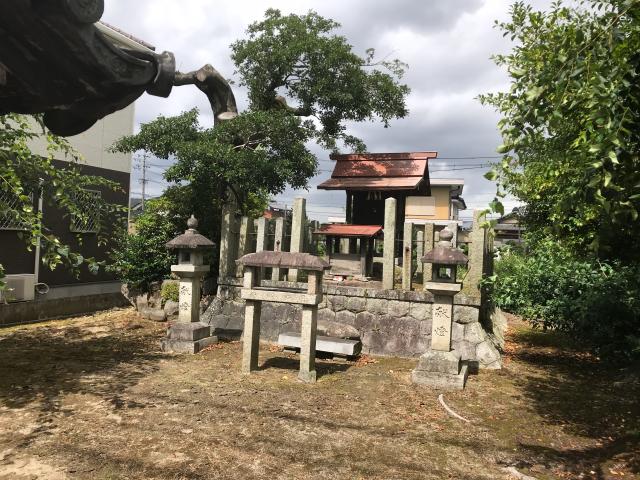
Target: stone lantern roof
{"points": [[190, 239], [444, 253]]}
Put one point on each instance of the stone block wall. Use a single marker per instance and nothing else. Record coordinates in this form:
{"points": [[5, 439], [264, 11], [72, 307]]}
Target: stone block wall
{"points": [[388, 322]]}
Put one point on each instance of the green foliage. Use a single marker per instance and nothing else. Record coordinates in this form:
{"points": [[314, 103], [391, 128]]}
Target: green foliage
{"points": [[24, 175], [598, 303], [170, 291], [141, 258], [571, 125], [299, 57], [264, 150]]}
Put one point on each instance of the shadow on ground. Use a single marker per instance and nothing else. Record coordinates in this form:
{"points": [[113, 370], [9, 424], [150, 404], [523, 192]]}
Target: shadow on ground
{"points": [[41, 364], [293, 364], [587, 398]]}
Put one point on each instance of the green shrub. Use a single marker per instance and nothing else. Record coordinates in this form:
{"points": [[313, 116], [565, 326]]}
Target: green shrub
{"points": [[170, 291], [597, 303], [141, 258]]}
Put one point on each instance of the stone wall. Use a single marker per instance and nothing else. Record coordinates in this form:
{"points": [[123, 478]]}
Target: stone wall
{"points": [[388, 322]]}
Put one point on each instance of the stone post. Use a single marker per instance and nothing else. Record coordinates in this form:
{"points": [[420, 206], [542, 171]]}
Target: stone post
{"points": [[243, 242], [453, 226], [388, 264], [308, 332], [278, 245], [428, 246], [407, 254], [419, 250], [227, 267], [297, 232], [251, 333], [261, 235], [477, 240]]}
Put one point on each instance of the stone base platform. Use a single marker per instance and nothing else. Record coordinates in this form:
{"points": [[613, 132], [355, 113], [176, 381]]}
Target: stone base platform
{"points": [[187, 338], [337, 346], [441, 370], [446, 381]]}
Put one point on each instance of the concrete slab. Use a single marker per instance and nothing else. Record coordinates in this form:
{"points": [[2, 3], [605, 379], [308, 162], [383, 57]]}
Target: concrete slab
{"points": [[339, 346]]}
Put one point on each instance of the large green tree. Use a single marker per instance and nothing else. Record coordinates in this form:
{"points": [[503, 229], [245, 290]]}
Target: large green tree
{"points": [[571, 126], [305, 84]]}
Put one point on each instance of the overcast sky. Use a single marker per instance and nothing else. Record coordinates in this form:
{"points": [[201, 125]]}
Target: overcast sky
{"points": [[447, 44]]}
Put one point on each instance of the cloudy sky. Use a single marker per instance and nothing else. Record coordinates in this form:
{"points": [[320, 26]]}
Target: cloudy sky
{"points": [[447, 44]]}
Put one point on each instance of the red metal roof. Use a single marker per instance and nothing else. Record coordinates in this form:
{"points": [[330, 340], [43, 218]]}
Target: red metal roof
{"points": [[342, 230], [378, 171]]}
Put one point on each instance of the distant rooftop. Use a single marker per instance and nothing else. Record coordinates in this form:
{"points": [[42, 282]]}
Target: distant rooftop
{"points": [[379, 171]]}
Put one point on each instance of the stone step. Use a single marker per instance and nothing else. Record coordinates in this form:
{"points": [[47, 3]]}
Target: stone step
{"points": [[338, 346]]}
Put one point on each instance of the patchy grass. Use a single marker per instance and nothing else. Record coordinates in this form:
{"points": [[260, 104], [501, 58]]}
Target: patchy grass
{"points": [[94, 398]]}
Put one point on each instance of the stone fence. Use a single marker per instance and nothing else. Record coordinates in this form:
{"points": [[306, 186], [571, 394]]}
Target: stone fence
{"points": [[388, 322]]}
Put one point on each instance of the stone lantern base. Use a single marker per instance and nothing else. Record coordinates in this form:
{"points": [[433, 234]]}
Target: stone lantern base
{"points": [[187, 338], [441, 370]]}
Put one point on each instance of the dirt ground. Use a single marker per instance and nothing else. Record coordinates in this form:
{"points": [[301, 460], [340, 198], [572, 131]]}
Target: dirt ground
{"points": [[94, 398]]}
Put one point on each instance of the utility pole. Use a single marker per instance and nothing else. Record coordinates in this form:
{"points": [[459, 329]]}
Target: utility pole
{"points": [[143, 181]]}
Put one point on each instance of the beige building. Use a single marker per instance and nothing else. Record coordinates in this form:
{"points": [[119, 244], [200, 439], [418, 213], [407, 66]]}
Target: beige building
{"points": [[441, 207]]}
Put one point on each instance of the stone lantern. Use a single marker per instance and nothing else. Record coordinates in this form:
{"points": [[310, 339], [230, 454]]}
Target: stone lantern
{"points": [[188, 334], [440, 366]]}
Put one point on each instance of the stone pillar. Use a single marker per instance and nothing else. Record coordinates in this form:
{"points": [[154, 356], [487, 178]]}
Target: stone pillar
{"points": [[419, 250], [344, 245], [453, 226], [388, 264], [428, 246], [308, 344], [243, 242], [364, 254], [189, 300], [297, 232], [227, 267], [251, 333], [477, 240], [407, 254], [277, 245], [308, 332], [442, 320], [261, 235]]}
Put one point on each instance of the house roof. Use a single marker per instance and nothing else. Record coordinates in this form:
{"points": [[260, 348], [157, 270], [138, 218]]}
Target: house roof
{"points": [[379, 171], [340, 230]]}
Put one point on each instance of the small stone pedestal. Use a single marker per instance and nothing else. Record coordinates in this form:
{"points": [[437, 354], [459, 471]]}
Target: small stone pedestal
{"points": [[187, 338], [188, 334], [441, 370], [440, 367]]}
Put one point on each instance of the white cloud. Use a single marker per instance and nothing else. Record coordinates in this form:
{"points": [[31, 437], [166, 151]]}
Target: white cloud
{"points": [[447, 45]]}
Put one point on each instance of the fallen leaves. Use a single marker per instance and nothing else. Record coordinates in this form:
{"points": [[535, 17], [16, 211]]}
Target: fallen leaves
{"points": [[364, 360]]}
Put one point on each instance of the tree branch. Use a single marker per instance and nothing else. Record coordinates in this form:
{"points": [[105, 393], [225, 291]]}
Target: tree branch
{"points": [[215, 87]]}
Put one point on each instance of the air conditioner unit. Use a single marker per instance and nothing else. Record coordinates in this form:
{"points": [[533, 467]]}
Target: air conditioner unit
{"points": [[19, 288]]}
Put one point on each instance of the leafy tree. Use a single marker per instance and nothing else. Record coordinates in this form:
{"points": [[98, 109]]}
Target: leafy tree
{"points": [[263, 150], [142, 258], [24, 175], [571, 126]]}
